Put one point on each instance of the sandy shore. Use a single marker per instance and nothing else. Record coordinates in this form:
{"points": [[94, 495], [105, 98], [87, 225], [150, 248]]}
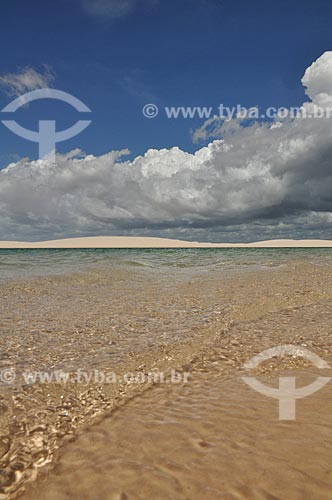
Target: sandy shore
{"points": [[138, 242]]}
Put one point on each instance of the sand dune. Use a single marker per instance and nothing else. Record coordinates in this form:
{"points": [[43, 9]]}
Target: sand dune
{"points": [[142, 242]]}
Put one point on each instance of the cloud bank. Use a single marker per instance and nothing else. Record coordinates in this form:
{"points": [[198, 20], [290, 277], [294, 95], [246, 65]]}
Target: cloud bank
{"points": [[260, 181]]}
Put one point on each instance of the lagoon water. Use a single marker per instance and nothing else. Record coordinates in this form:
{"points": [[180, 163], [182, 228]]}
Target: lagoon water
{"points": [[24, 264], [204, 312]]}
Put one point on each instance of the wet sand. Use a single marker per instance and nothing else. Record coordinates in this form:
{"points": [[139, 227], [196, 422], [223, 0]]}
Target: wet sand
{"points": [[213, 437]]}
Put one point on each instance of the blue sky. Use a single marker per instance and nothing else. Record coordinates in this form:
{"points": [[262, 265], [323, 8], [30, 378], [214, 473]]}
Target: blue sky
{"points": [[176, 52], [118, 55]]}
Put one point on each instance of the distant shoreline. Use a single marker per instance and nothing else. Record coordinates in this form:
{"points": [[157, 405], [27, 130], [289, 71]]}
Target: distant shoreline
{"points": [[146, 242]]}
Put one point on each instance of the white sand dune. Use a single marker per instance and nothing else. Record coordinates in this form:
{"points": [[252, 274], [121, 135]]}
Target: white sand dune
{"points": [[142, 242]]}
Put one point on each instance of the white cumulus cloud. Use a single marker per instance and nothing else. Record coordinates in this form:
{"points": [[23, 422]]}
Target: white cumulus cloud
{"points": [[318, 80], [262, 180]]}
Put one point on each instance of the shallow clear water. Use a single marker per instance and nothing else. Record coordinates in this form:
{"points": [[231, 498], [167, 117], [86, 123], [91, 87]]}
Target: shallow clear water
{"points": [[206, 311], [22, 264]]}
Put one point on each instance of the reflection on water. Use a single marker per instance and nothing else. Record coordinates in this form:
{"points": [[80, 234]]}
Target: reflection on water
{"points": [[131, 311]]}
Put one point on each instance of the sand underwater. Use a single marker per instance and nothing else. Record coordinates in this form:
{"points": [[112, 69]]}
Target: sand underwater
{"points": [[108, 319]]}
